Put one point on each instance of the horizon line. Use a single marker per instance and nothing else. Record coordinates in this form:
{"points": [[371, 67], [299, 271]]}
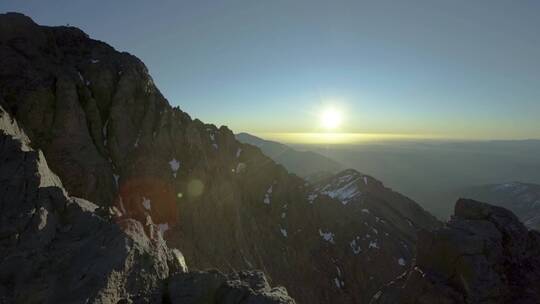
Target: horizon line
{"points": [[352, 138]]}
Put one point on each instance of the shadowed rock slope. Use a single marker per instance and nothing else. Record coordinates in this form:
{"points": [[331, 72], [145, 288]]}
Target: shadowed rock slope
{"points": [[60, 249], [113, 139], [484, 254]]}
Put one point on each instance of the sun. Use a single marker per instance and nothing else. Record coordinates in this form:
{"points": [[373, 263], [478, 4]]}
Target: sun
{"points": [[330, 118]]}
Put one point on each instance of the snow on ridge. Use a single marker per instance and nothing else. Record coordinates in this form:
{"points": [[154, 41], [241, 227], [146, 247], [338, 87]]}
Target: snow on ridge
{"points": [[344, 193], [344, 188], [283, 232], [238, 152]]}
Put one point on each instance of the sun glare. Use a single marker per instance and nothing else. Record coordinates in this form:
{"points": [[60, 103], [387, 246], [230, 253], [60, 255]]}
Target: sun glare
{"points": [[330, 119]]}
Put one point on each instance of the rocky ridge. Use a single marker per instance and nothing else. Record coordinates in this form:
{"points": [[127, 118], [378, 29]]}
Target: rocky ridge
{"points": [[484, 254], [302, 163], [60, 249], [113, 139]]}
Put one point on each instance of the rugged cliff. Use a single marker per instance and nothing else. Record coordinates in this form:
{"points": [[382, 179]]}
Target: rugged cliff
{"points": [[60, 249], [113, 139], [484, 254]]}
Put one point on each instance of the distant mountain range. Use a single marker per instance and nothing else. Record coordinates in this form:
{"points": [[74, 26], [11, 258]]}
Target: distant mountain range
{"points": [[302, 163], [522, 198], [433, 172]]}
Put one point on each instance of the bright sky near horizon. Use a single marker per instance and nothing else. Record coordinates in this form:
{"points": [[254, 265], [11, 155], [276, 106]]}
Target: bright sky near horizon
{"points": [[456, 69]]}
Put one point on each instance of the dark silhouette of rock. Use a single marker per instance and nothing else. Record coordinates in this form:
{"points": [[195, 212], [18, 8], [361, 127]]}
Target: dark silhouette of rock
{"points": [[57, 249], [484, 254], [215, 287], [114, 140], [60, 249]]}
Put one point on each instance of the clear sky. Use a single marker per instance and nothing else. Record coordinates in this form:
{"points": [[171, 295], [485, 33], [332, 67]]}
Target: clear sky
{"points": [[459, 69]]}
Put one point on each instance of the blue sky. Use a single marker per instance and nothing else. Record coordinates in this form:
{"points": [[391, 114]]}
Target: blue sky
{"points": [[460, 69]]}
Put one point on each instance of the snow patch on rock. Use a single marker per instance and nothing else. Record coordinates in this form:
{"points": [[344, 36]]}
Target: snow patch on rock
{"points": [[373, 244], [267, 195], [355, 246], [327, 236], [175, 165]]}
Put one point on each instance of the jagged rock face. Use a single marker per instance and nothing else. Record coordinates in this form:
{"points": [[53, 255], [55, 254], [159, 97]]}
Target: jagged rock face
{"points": [[113, 139], [60, 249], [57, 249], [483, 255]]}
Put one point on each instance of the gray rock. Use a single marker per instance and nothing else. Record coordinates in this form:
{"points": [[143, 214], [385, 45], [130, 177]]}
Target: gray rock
{"points": [[56, 249], [60, 249], [483, 255]]}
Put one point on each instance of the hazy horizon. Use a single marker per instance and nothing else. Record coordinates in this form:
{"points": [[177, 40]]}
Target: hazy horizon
{"points": [[359, 138], [458, 70]]}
